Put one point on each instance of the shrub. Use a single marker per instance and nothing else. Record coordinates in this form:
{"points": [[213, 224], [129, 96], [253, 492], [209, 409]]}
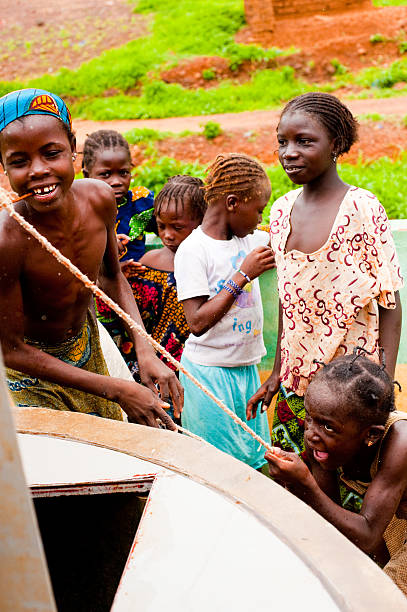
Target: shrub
{"points": [[208, 74], [211, 130]]}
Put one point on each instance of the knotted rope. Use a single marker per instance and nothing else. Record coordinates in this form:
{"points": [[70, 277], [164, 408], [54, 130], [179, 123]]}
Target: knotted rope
{"points": [[7, 204]]}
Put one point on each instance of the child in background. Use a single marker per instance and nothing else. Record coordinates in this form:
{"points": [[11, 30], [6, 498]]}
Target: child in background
{"points": [[106, 156], [216, 270], [356, 444], [338, 272], [179, 208]]}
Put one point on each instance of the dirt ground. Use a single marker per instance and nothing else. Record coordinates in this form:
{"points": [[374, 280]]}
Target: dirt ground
{"points": [[42, 36]]}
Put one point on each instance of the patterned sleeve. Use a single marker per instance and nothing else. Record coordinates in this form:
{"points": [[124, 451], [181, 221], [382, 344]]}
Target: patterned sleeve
{"points": [[381, 255]]}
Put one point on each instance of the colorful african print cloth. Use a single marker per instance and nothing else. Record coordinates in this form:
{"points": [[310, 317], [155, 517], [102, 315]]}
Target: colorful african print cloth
{"points": [[330, 297], [352, 493], [155, 292], [134, 215], [288, 422], [32, 102], [82, 351]]}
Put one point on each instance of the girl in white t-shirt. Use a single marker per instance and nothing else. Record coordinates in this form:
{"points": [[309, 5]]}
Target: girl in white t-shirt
{"points": [[216, 270]]}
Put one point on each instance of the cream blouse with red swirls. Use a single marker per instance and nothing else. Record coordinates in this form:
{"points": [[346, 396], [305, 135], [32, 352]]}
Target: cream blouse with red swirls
{"points": [[330, 298]]}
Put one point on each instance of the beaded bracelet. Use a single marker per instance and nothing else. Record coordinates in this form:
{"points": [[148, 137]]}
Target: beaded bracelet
{"points": [[245, 275], [230, 290], [235, 286]]}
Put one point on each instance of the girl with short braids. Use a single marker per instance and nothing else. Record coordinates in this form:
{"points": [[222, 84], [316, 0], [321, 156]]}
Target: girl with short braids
{"points": [[356, 473], [338, 272]]}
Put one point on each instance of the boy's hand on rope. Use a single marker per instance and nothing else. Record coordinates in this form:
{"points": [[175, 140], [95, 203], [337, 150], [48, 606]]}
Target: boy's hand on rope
{"points": [[263, 396], [142, 406], [258, 261], [154, 372]]}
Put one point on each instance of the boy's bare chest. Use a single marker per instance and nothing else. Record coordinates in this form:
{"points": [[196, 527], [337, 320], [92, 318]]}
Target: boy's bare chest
{"points": [[47, 279]]}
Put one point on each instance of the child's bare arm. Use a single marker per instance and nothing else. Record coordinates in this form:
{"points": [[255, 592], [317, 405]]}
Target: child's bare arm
{"points": [[270, 387], [380, 502], [389, 333], [152, 370], [203, 313]]}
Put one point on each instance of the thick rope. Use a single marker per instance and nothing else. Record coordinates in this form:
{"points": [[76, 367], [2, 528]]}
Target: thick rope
{"points": [[8, 205]]}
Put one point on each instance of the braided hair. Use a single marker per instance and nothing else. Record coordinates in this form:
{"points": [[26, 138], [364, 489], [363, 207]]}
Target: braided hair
{"points": [[100, 140], [233, 173], [184, 192], [335, 117], [367, 387]]}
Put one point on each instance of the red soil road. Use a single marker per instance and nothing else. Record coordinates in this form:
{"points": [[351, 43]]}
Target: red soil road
{"points": [[249, 120]]}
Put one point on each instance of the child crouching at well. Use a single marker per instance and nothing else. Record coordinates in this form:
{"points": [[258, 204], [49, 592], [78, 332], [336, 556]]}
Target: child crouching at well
{"points": [[356, 445], [216, 270]]}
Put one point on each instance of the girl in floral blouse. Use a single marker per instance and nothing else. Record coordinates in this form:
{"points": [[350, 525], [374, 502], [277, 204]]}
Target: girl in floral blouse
{"points": [[338, 272]]}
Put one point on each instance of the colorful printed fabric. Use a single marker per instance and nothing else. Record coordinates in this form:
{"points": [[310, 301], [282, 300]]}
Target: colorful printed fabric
{"points": [[330, 298], [32, 102], [288, 422], [82, 351], [234, 386], [133, 217], [163, 316]]}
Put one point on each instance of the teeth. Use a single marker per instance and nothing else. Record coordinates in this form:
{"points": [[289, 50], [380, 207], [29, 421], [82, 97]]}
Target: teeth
{"points": [[43, 190]]}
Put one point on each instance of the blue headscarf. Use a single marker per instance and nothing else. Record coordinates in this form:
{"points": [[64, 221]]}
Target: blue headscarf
{"points": [[32, 102]]}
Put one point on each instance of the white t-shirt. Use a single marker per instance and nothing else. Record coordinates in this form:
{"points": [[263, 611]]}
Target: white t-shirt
{"points": [[202, 266]]}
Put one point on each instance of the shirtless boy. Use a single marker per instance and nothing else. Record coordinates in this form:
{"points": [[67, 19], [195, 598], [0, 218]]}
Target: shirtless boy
{"points": [[48, 334]]}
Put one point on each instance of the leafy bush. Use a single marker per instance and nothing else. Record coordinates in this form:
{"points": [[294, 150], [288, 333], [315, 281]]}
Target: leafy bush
{"points": [[377, 38], [384, 178], [403, 46], [145, 135], [211, 130], [339, 68], [208, 74], [155, 173]]}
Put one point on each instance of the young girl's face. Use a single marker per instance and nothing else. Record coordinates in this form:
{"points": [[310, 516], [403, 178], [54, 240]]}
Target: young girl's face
{"points": [[332, 437], [37, 155], [249, 211], [174, 227], [113, 166], [305, 147]]}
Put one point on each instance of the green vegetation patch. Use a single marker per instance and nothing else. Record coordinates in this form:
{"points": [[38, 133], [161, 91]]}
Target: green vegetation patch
{"points": [[267, 89], [384, 177]]}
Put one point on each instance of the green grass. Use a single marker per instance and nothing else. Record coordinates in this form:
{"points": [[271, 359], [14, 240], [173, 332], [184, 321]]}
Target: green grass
{"points": [[267, 89], [390, 2], [384, 177]]}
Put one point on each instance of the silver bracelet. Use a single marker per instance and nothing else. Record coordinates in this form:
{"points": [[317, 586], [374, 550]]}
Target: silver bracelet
{"points": [[245, 275]]}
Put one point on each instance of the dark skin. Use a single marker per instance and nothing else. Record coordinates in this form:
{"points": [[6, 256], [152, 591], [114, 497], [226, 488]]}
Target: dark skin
{"points": [[39, 298], [306, 152], [173, 227], [113, 166], [231, 215], [333, 439]]}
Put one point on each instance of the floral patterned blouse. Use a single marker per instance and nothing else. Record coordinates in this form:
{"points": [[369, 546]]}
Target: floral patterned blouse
{"points": [[330, 298]]}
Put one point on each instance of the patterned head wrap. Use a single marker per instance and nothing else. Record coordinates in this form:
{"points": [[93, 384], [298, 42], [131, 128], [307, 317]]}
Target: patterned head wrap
{"points": [[32, 102]]}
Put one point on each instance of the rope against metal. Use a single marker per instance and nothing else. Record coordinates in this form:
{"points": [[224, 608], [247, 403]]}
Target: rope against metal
{"points": [[7, 204]]}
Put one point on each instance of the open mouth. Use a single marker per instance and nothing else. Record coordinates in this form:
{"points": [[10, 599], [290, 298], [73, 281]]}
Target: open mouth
{"points": [[320, 455], [45, 191], [291, 169]]}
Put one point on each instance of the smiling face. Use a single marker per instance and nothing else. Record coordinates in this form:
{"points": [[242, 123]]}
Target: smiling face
{"points": [[305, 149], [174, 225], [332, 437], [113, 166], [37, 155], [246, 213]]}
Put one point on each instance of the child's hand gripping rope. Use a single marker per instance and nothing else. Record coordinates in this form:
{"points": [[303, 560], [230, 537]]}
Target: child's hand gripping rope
{"points": [[6, 204]]}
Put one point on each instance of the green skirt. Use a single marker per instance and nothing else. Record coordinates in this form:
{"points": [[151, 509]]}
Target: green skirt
{"points": [[82, 351], [288, 422]]}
